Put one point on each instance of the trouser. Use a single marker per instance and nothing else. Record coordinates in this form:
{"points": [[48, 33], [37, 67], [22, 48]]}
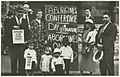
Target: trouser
{"points": [[17, 56], [67, 65], [107, 63], [59, 69], [31, 72], [45, 73]]}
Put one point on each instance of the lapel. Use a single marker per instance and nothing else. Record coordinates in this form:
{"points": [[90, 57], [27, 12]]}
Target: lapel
{"points": [[18, 21], [107, 28]]}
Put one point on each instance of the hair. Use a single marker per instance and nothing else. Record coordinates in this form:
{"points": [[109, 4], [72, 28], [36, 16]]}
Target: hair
{"points": [[106, 13], [88, 8], [39, 10], [35, 13]]}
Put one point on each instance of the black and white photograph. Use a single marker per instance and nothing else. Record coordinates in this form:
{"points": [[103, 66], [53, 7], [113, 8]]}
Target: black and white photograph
{"points": [[59, 38]]}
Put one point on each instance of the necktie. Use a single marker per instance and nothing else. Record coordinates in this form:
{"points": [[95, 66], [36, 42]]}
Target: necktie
{"points": [[28, 21], [19, 21]]}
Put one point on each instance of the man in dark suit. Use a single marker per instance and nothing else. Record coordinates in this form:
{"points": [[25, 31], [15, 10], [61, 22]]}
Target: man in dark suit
{"points": [[105, 38], [16, 51], [28, 14]]}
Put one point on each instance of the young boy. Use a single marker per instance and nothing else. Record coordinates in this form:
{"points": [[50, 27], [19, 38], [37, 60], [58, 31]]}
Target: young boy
{"points": [[57, 63], [31, 61]]}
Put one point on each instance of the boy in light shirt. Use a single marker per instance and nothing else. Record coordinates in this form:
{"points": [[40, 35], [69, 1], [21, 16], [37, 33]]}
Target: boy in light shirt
{"points": [[57, 63], [31, 60], [67, 54]]}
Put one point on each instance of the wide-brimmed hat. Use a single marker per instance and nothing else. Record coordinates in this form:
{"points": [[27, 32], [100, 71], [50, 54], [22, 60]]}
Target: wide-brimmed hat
{"points": [[57, 51], [89, 21]]}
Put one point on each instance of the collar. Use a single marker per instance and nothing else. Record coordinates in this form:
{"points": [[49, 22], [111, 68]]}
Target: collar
{"points": [[18, 22], [106, 25], [39, 21], [87, 17], [30, 49], [65, 47]]}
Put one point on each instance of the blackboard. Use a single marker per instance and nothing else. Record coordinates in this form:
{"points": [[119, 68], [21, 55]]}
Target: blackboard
{"points": [[61, 21]]}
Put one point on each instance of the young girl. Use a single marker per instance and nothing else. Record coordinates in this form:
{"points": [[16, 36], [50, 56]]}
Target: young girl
{"points": [[31, 61], [57, 63], [45, 61]]}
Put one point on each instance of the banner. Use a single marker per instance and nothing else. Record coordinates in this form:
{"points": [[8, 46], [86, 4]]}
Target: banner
{"points": [[28, 63], [18, 36], [61, 21]]}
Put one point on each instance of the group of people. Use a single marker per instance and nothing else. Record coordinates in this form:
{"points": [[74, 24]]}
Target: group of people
{"points": [[57, 63], [103, 40], [29, 52], [23, 19]]}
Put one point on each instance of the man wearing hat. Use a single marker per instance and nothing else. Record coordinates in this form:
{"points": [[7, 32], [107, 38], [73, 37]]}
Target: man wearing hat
{"points": [[67, 54], [16, 51]]}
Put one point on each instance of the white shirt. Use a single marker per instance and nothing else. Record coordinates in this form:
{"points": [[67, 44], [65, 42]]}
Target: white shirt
{"points": [[19, 21], [91, 35], [32, 53], [56, 61], [106, 26], [67, 53], [45, 62]]}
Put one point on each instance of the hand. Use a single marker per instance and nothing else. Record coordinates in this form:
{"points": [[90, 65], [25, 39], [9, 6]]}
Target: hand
{"points": [[25, 42], [54, 70], [99, 45], [16, 27]]}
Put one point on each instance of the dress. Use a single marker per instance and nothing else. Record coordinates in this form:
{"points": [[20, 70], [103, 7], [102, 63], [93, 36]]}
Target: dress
{"points": [[37, 36], [45, 63], [87, 63]]}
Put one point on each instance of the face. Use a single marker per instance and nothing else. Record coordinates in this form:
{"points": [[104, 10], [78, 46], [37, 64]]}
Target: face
{"points": [[31, 46], [19, 15], [87, 25], [65, 44], [57, 55], [26, 8], [87, 12], [47, 52], [106, 18], [39, 14]]}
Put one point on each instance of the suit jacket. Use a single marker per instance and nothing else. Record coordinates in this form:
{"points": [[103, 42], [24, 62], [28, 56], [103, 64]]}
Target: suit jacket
{"points": [[108, 36], [31, 17], [8, 27]]}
